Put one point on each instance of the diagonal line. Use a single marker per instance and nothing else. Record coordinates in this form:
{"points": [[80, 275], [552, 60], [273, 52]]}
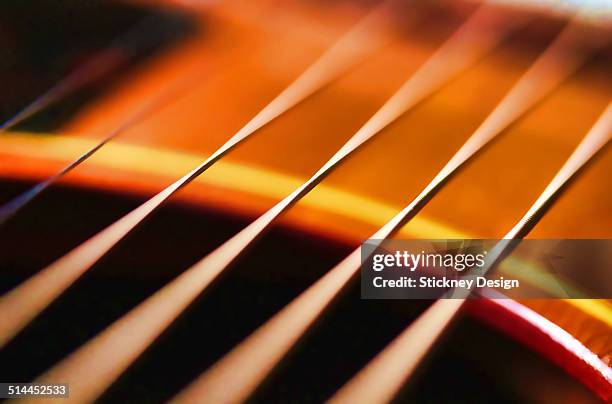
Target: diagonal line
{"points": [[98, 363], [251, 361], [12, 207], [20, 305], [115, 55], [402, 356]]}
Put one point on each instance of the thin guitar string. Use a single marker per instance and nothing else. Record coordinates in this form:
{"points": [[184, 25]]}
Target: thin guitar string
{"points": [[100, 64], [20, 305], [107, 60], [239, 372], [169, 94], [382, 378], [100, 363]]}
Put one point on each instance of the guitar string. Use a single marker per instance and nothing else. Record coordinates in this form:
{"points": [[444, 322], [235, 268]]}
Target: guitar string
{"points": [[21, 304], [114, 56], [239, 372], [382, 378], [169, 94], [101, 363]]}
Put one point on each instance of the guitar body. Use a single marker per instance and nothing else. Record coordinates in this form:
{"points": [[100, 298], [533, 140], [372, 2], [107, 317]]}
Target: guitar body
{"points": [[236, 60]]}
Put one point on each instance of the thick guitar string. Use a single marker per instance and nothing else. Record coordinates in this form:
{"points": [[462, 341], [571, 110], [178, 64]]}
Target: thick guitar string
{"points": [[107, 60], [20, 305], [382, 378], [245, 367], [100, 363]]}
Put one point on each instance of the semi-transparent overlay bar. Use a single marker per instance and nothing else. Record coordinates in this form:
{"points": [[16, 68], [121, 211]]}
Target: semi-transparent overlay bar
{"points": [[517, 269]]}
